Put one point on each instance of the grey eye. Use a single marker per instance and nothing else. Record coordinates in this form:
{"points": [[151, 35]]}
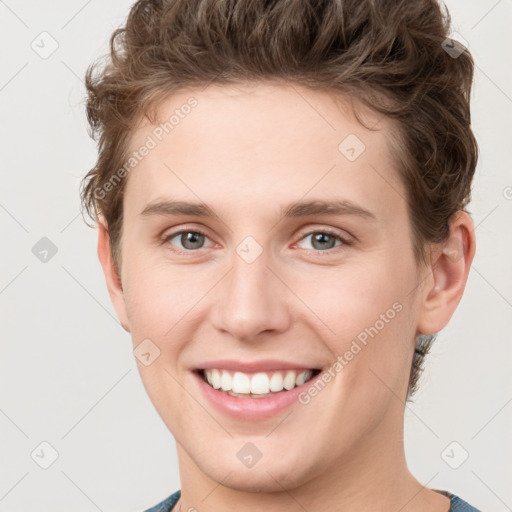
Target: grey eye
{"points": [[322, 241], [189, 240]]}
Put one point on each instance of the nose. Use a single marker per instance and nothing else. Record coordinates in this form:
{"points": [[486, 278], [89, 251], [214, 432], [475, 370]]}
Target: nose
{"points": [[252, 301]]}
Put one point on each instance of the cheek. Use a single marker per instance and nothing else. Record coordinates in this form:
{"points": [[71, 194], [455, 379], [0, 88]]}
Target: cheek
{"points": [[349, 298], [366, 315], [159, 297]]}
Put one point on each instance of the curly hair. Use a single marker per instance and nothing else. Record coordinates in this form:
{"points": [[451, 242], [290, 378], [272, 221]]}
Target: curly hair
{"points": [[391, 56]]}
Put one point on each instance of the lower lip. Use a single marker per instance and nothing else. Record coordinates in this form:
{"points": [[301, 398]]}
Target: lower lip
{"points": [[251, 408]]}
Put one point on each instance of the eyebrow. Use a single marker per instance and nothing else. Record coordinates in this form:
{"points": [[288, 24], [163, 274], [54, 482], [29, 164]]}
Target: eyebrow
{"points": [[295, 210]]}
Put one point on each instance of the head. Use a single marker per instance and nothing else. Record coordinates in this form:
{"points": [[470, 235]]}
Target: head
{"points": [[247, 109]]}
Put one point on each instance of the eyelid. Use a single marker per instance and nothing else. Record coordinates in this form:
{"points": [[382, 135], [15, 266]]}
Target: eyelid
{"points": [[345, 240], [344, 237], [168, 235]]}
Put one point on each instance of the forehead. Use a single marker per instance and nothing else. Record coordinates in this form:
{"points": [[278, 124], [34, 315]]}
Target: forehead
{"points": [[261, 141]]}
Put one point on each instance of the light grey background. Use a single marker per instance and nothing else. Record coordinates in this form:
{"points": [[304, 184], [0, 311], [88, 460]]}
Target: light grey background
{"points": [[68, 376]]}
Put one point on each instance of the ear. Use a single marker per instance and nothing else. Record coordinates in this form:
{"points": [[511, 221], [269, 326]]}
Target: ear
{"points": [[114, 285], [449, 272]]}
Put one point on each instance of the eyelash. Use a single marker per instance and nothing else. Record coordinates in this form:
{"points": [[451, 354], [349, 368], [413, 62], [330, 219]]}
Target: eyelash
{"points": [[333, 234], [337, 236]]}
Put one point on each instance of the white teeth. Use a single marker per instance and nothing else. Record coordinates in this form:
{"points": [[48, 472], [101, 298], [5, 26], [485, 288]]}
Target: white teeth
{"points": [[301, 378], [276, 382], [289, 380], [258, 383], [215, 379], [226, 381], [241, 383]]}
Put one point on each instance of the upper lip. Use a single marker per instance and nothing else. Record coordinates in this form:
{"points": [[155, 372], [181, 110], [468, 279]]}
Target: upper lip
{"points": [[254, 366]]}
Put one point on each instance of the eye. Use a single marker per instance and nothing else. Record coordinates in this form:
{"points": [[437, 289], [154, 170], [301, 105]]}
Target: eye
{"points": [[190, 240], [325, 240]]}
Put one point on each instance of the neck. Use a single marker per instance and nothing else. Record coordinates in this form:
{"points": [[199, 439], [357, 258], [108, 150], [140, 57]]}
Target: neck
{"points": [[372, 476]]}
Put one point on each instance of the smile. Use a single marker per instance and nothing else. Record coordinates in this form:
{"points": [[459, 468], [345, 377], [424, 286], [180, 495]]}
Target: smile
{"points": [[256, 385]]}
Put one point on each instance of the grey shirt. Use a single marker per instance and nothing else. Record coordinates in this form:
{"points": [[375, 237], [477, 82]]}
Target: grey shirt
{"points": [[457, 504]]}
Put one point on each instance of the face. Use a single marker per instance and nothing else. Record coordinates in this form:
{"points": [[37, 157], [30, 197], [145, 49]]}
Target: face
{"points": [[247, 281]]}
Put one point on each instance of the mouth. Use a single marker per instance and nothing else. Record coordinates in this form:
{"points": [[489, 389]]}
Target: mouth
{"points": [[257, 384]]}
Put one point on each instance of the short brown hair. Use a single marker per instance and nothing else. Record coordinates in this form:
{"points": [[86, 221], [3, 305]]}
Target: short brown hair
{"points": [[388, 55]]}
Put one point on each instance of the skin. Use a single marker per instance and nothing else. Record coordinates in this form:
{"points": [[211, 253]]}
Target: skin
{"points": [[249, 151]]}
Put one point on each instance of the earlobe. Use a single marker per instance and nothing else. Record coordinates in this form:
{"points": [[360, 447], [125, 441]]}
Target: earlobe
{"points": [[450, 267], [113, 280]]}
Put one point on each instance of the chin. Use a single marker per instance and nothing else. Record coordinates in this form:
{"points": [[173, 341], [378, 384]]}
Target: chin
{"points": [[261, 482], [264, 477]]}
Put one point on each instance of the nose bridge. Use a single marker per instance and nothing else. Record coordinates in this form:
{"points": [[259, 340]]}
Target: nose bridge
{"points": [[251, 300]]}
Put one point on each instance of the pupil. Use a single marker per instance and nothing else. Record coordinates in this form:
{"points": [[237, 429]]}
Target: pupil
{"points": [[192, 240], [322, 238]]}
